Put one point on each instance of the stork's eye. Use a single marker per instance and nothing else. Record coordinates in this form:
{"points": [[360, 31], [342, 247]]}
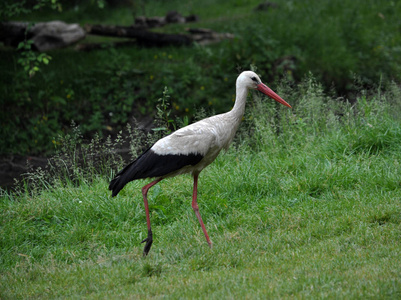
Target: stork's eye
{"points": [[254, 79]]}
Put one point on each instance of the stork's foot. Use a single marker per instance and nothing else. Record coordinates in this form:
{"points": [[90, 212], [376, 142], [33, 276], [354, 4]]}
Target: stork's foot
{"points": [[149, 241]]}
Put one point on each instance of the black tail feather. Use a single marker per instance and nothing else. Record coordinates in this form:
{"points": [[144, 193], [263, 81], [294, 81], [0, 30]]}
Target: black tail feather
{"points": [[125, 175], [150, 164]]}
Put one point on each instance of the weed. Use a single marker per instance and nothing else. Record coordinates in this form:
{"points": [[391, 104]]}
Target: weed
{"points": [[165, 124]]}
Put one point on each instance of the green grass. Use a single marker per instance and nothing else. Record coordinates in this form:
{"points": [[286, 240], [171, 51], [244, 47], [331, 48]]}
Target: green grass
{"points": [[305, 204]]}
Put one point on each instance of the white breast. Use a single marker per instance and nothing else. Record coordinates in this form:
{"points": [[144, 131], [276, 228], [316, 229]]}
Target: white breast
{"points": [[208, 135]]}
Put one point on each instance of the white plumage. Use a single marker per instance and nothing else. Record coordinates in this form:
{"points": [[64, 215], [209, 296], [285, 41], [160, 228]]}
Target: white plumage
{"points": [[191, 148]]}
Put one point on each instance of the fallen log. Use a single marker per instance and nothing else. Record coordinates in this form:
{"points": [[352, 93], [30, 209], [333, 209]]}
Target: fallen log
{"points": [[45, 36], [142, 36], [56, 34], [148, 38]]}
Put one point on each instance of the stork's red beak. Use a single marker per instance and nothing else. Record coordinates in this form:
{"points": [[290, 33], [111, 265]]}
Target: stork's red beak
{"points": [[269, 92]]}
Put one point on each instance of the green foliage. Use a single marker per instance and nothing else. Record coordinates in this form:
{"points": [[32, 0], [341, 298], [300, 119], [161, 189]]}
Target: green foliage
{"points": [[11, 9], [42, 107], [347, 45], [307, 200], [31, 60], [163, 115]]}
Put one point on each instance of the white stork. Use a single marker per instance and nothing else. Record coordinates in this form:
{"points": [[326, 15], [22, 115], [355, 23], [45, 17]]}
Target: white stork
{"points": [[190, 149]]}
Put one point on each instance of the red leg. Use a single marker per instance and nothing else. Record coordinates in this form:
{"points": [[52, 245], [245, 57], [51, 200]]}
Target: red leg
{"points": [[196, 209], [149, 239]]}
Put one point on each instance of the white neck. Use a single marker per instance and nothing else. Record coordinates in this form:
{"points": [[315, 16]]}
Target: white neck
{"points": [[240, 100]]}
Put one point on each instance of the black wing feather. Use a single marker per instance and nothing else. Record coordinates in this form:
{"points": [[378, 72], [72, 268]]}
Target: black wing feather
{"points": [[149, 165]]}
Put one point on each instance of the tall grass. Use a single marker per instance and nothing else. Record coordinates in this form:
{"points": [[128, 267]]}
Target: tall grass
{"points": [[305, 204]]}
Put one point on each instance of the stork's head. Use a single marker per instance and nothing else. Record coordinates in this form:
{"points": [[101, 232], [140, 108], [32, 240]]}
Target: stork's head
{"points": [[251, 80]]}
